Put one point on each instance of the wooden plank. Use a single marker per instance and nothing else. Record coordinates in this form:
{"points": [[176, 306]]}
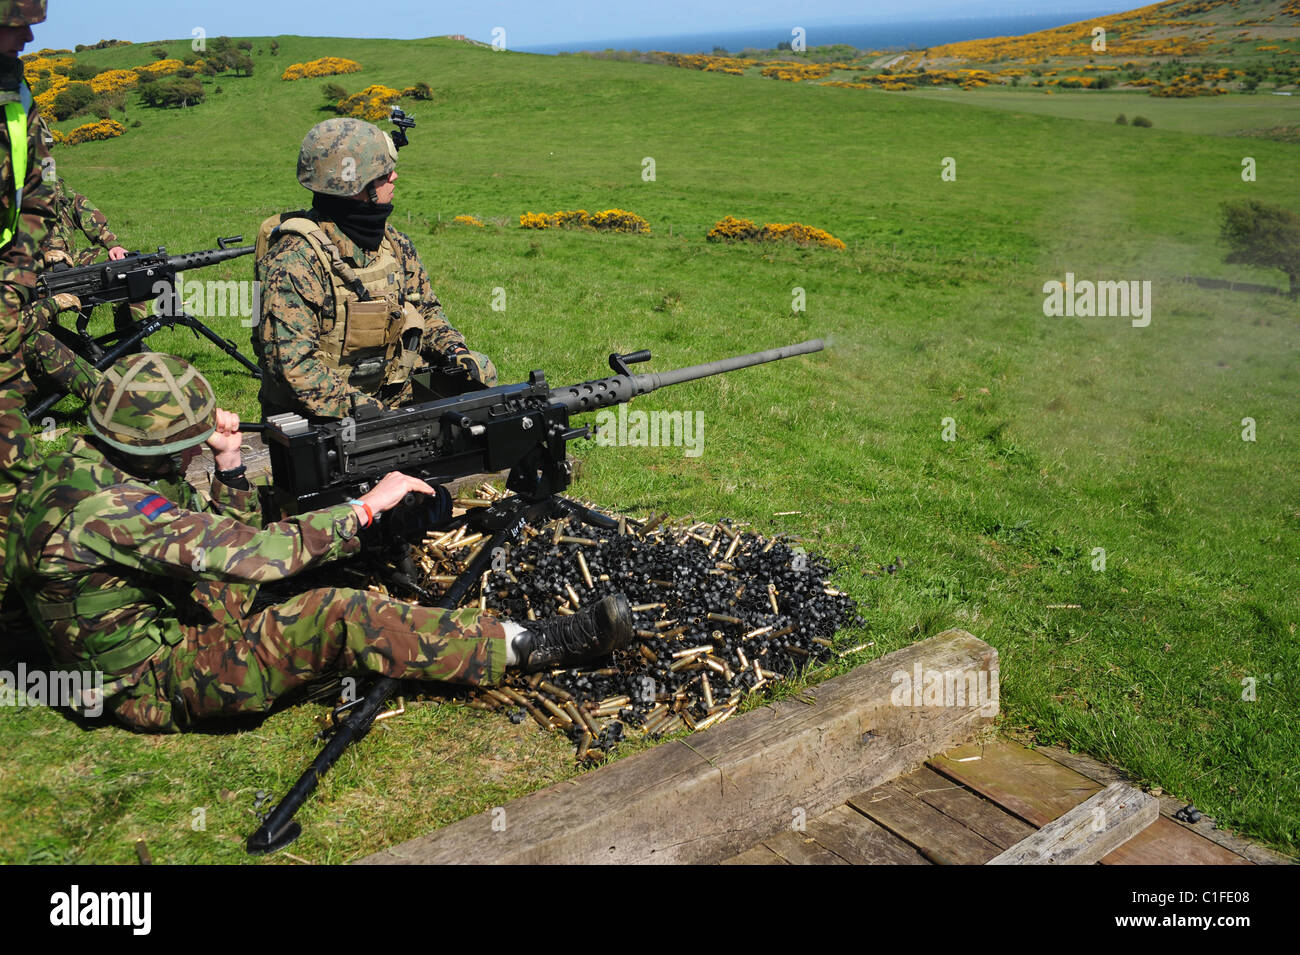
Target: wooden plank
{"points": [[718, 793], [939, 838], [974, 812], [1168, 843], [1169, 804], [756, 855], [1087, 832], [798, 848], [1021, 781], [859, 841]]}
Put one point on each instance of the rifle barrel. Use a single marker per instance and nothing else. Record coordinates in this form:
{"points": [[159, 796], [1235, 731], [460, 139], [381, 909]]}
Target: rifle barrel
{"points": [[602, 392]]}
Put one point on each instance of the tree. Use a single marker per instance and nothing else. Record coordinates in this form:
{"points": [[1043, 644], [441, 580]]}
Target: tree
{"points": [[72, 99], [159, 53], [245, 45], [221, 44], [1267, 236], [275, 47], [240, 62]]}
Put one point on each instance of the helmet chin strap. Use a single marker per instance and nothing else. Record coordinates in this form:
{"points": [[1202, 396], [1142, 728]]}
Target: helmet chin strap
{"points": [[372, 193]]}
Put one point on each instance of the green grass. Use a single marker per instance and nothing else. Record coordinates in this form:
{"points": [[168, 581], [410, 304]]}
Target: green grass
{"points": [[1212, 115], [1072, 434]]}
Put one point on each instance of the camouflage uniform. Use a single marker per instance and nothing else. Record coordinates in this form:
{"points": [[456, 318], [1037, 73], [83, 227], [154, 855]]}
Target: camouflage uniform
{"points": [[298, 304], [343, 328], [113, 568], [75, 213], [45, 355], [17, 268]]}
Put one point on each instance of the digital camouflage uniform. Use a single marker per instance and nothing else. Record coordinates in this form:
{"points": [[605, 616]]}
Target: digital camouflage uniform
{"points": [[341, 327], [17, 267], [112, 567], [298, 303]]}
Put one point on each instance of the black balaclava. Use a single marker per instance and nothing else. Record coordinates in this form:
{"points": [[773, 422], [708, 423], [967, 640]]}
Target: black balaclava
{"points": [[359, 220]]}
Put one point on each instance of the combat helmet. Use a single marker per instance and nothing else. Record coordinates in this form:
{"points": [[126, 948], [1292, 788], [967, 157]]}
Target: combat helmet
{"points": [[152, 404], [339, 157], [21, 13]]}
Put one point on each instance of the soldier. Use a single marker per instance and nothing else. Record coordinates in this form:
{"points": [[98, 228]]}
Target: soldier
{"points": [[50, 361], [24, 209], [126, 575], [347, 309]]}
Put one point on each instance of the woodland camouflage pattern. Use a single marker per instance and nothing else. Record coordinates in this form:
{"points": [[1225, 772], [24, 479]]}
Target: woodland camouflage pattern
{"points": [[18, 13], [48, 360], [153, 404], [298, 298], [74, 213], [84, 528], [18, 276]]}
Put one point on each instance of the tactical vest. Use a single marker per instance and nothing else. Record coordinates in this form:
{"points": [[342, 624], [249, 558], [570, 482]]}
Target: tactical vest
{"points": [[15, 115], [45, 501], [370, 334]]}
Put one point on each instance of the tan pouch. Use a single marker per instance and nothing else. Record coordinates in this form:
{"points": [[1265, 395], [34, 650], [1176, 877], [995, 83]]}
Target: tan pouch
{"points": [[367, 331]]}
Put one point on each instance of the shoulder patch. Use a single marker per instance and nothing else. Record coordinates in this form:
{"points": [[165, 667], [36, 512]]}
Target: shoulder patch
{"points": [[154, 505]]}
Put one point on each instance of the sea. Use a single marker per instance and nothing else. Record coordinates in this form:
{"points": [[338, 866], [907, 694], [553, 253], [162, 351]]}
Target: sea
{"points": [[902, 35]]}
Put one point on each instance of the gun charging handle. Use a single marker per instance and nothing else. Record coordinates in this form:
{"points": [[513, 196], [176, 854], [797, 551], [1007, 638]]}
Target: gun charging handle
{"points": [[618, 363], [228, 241]]}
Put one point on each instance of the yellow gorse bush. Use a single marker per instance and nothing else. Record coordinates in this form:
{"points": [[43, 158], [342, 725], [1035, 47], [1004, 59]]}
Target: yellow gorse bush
{"points": [[325, 66], [607, 220], [104, 129], [372, 103], [160, 67], [110, 81], [731, 229], [468, 220]]}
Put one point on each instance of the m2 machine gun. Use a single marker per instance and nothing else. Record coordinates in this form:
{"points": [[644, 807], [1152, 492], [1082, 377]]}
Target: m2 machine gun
{"points": [[138, 277], [523, 428]]}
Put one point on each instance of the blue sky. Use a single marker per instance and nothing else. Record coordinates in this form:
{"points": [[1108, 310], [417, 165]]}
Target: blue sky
{"points": [[526, 23]]}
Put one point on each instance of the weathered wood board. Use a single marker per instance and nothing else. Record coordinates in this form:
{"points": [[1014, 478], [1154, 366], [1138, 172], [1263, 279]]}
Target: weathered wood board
{"points": [[1088, 832], [719, 792]]}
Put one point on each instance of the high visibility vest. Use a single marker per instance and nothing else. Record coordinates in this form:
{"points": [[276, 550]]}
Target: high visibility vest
{"points": [[16, 125]]}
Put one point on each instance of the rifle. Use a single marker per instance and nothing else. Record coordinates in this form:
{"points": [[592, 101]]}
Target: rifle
{"points": [[522, 427], [138, 277]]}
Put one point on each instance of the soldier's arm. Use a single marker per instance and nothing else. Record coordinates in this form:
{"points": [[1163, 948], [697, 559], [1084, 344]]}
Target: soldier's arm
{"points": [[439, 335], [92, 223], [296, 298], [134, 527], [240, 504]]}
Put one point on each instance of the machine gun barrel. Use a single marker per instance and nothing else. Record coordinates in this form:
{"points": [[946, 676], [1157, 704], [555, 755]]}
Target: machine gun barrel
{"points": [[590, 395], [198, 260]]}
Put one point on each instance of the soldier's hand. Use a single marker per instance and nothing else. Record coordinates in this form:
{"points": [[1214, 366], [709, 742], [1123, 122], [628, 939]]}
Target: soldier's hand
{"points": [[67, 302], [52, 256], [465, 360], [389, 492], [116, 252], [226, 441]]}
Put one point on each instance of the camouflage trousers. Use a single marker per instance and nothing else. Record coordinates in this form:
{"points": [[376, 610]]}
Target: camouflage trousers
{"points": [[18, 456], [49, 361], [244, 664]]}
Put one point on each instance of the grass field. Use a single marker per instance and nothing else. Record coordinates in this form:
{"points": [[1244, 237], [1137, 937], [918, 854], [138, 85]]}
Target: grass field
{"points": [[1071, 434]]}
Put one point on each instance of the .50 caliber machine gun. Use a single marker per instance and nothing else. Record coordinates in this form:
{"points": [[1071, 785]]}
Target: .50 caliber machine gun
{"points": [[523, 428]]}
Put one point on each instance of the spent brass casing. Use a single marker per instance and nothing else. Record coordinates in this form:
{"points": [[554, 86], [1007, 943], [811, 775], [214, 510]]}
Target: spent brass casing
{"points": [[782, 632], [558, 692], [586, 573], [822, 641]]}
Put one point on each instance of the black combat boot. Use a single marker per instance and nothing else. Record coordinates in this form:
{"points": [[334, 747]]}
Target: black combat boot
{"points": [[566, 642]]}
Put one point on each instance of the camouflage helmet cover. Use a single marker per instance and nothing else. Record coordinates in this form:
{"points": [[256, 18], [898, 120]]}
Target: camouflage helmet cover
{"points": [[151, 404], [339, 157], [21, 13]]}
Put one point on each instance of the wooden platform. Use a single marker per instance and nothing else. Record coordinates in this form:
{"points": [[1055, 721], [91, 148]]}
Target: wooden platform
{"points": [[969, 804]]}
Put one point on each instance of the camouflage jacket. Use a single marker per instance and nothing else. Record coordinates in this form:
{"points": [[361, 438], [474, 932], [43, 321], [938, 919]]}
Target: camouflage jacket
{"points": [[17, 277], [75, 213], [103, 559], [298, 298]]}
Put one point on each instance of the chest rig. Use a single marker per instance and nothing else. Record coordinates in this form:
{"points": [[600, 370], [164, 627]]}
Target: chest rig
{"points": [[373, 336]]}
